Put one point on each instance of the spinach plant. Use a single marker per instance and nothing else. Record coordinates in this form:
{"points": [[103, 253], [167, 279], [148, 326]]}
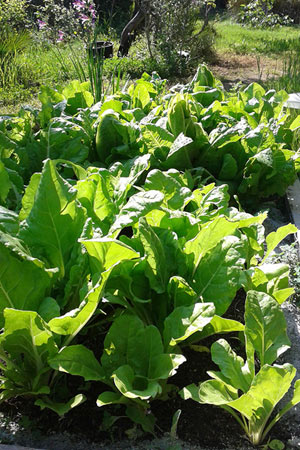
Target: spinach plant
{"points": [[249, 394]]}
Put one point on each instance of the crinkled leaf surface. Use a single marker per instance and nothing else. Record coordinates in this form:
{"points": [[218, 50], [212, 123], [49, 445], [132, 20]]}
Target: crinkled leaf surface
{"points": [[9, 221], [175, 194]]}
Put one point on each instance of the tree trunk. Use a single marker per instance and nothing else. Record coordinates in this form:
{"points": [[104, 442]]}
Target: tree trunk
{"points": [[129, 32]]}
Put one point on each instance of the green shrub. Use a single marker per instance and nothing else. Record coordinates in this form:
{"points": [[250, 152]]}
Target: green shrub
{"points": [[13, 13], [259, 13], [173, 34], [288, 7]]}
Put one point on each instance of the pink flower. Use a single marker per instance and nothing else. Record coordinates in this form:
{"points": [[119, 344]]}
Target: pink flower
{"points": [[84, 18], [79, 4], [41, 24], [92, 11], [60, 36]]}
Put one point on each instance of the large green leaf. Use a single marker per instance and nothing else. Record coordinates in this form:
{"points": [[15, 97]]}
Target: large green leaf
{"points": [[265, 327], [65, 140], [109, 398], [213, 392], [105, 253], [72, 322], [156, 257], [185, 321], [180, 154], [220, 325], [267, 389], [272, 279], [27, 342], [5, 183], [60, 408], [29, 195], [55, 221], [218, 275], [293, 402], [181, 292], [133, 386], [78, 360], [104, 192], [274, 238], [137, 206], [175, 193], [130, 343], [9, 221], [208, 237], [120, 337], [48, 309], [232, 366], [158, 141], [95, 193], [24, 281]]}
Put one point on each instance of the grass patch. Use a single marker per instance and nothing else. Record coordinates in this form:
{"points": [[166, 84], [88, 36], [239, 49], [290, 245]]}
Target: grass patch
{"points": [[267, 55], [290, 78], [245, 40], [36, 66]]}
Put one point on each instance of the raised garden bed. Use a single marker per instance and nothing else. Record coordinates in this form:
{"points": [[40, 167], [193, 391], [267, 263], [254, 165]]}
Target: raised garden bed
{"points": [[124, 221]]}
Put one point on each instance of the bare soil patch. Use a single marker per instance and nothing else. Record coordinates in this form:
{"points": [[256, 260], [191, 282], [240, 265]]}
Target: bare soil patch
{"points": [[232, 68]]}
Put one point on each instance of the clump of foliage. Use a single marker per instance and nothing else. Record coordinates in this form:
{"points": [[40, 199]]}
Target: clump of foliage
{"points": [[172, 29], [119, 218], [59, 22], [247, 393], [288, 7], [13, 13], [259, 13]]}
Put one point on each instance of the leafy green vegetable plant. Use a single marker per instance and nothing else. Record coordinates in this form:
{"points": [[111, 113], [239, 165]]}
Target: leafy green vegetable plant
{"points": [[118, 218], [248, 396]]}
